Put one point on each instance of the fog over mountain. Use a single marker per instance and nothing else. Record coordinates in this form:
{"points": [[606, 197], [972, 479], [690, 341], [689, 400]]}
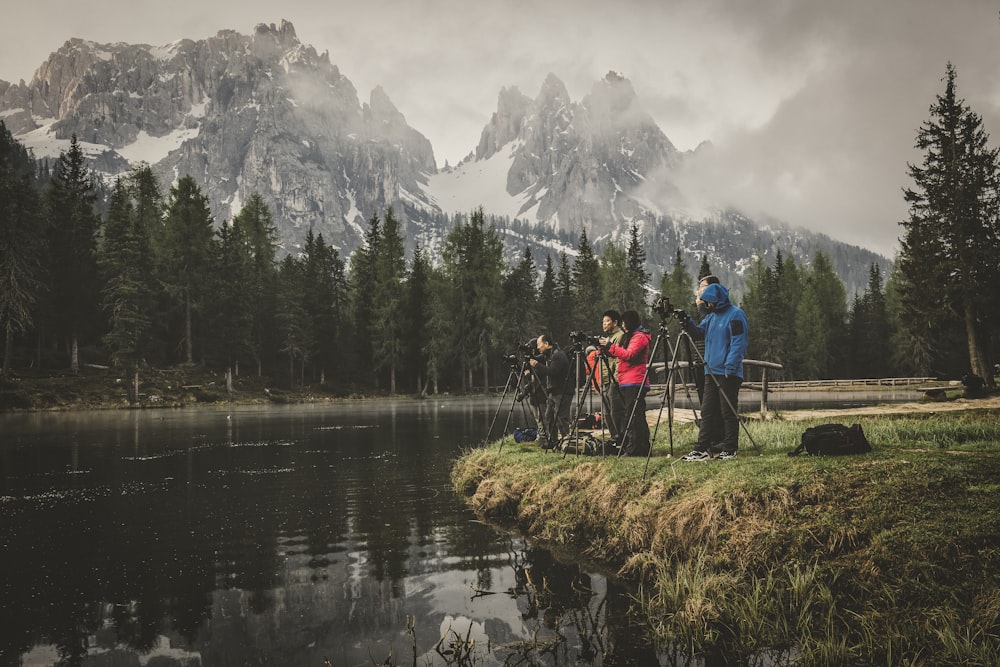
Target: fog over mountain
{"points": [[265, 113]]}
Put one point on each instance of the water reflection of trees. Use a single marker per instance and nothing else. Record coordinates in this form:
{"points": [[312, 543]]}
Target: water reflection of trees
{"points": [[282, 545], [570, 619], [133, 543]]}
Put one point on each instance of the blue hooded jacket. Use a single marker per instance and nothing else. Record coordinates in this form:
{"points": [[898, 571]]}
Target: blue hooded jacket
{"points": [[726, 332]]}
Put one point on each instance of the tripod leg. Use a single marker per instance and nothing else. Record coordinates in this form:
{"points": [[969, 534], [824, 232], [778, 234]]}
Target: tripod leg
{"points": [[667, 399], [499, 405], [575, 421]]}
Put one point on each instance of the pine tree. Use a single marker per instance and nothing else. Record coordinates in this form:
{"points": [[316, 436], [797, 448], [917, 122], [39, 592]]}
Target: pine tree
{"points": [[587, 289], [231, 313], [811, 336], [788, 286], [128, 295], [704, 269], [417, 311], [73, 225], [614, 277], [638, 277], [259, 236], [325, 302], [184, 251], [952, 237], [362, 277], [564, 300], [909, 355], [294, 326], [831, 300], [520, 302], [762, 307], [678, 285], [870, 330], [548, 298], [389, 327], [21, 246], [473, 264]]}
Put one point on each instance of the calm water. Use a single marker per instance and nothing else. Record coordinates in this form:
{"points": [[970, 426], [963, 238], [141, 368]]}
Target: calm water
{"points": [[278, 535], [269, 536]]}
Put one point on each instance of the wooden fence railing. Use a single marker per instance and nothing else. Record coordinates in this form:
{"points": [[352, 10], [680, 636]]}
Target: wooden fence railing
{"points": [[766, 386]]}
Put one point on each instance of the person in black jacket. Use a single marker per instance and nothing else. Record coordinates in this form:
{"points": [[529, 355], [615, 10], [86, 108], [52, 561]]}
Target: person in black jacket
{"points": [[552, 365]]}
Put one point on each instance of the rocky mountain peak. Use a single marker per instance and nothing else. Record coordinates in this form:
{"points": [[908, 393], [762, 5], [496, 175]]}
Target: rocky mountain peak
{"points": [[240, 113], [506, 124], [613, 99]]}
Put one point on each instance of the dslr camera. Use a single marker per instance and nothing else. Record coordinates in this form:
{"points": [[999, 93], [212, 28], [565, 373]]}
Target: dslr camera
{"points": [[583, 338], [661, 306]]}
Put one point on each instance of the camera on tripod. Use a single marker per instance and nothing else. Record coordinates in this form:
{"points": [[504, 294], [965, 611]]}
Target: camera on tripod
{"points": [[662, 307], [525, 352], [582, 338]]}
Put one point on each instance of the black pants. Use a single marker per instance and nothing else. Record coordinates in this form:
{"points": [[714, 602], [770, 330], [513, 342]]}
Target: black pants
{"points": [[611, 406], [557, 416], [635, 441], [720, 423]]}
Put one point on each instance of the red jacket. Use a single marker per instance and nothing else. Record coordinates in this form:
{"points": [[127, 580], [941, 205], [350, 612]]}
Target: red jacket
{"points": [[632, 358]]}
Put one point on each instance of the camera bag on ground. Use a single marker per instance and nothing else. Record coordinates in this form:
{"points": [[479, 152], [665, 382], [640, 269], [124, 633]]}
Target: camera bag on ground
{"points": [[525, 434], [833, 440], [581, 443]]}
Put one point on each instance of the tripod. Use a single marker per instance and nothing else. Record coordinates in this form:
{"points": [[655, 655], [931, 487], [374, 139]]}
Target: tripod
{"points": [[690, 342], [672, 369], [514, 378], [584, 389]]}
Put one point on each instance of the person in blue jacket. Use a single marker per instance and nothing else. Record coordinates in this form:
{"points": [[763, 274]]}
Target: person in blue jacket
{"points": [[725, 330]]}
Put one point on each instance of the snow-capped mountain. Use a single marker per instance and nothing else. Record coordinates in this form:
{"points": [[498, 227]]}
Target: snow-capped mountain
{"points": [[563, 164], [264, 113], [241, 114]]}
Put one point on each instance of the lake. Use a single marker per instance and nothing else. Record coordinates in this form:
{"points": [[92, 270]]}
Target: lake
{"points": [[279, 535], [276, 535]]}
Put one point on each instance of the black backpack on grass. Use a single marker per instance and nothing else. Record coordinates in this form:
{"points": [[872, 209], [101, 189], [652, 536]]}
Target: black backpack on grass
{"points": [[833, 440]]}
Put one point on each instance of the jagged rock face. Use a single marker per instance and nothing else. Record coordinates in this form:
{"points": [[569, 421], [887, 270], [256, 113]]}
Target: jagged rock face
{"points": [[578, 162], [259, 113]]}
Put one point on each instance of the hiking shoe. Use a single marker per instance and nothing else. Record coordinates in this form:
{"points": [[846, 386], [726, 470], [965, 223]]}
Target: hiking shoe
{"points": [[696, 455], [726, 455]]}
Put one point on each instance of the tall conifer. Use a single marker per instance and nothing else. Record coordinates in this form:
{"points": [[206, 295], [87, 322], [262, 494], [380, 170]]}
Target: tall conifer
{"points": [[952, 238], [73, 229]]}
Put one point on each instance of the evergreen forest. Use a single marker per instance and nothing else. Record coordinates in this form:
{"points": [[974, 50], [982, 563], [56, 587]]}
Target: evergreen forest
{"points": [[132, 276]]}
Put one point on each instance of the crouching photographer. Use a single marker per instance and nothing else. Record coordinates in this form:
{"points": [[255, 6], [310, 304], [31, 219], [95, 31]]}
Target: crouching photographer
{"points": [[552, 365]]}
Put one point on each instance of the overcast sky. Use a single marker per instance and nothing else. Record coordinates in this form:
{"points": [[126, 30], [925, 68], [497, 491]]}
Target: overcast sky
{"points": [[812, 105]]}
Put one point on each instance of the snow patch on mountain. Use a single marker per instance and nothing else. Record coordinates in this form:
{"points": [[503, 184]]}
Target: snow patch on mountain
{"points": [[43, 142], [153, 149], [481, 183]]}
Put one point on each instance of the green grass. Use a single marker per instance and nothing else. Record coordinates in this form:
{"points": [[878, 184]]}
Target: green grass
{"points": [[892, 557]]}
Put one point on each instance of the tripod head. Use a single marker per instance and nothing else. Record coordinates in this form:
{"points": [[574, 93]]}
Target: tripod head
{"points": [[661, 306]]}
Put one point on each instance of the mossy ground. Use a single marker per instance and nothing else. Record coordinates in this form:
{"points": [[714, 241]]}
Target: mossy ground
{"points": [[892, 557]]}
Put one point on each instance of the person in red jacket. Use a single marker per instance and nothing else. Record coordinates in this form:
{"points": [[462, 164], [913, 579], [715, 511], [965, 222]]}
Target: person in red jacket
{"points": [[632, 352]]}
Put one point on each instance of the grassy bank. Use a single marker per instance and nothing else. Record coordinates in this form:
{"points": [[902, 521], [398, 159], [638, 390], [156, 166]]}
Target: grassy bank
{"points": [[889, 558]]}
